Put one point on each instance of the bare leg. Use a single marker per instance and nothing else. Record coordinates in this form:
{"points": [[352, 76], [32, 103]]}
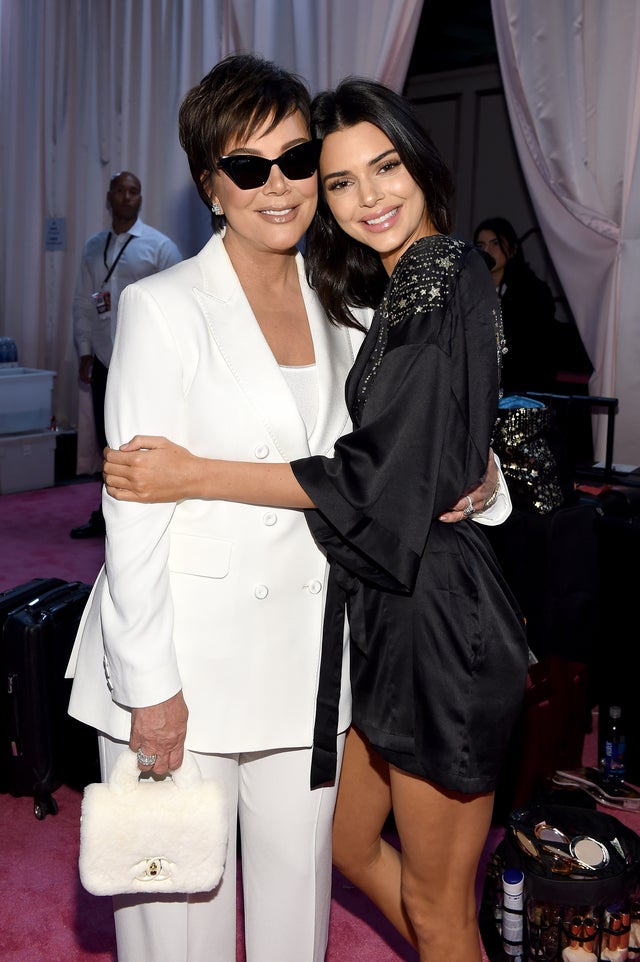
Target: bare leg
{"points": [[442, 835], [359, 851], [428, 892]]}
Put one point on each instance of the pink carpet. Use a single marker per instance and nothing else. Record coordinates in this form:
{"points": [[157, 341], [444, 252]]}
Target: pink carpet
{"points": [[34, 534], [45, 914]]}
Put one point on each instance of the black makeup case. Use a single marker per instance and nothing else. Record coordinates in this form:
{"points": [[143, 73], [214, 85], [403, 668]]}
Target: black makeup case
{"points": [[582, 887]]}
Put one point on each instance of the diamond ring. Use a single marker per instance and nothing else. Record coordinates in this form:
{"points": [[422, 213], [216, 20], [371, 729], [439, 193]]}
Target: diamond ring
{"points": [[469, 510], [146, 760]]}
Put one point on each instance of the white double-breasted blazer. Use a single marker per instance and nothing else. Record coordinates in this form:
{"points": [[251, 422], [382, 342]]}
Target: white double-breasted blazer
{"points": [[224, 601]]}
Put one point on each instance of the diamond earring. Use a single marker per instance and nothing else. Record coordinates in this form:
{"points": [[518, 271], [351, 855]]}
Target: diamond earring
{"points": [[216, 208]]}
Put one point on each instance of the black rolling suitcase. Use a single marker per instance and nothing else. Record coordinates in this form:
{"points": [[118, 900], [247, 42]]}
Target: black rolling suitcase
{"points": [[45, 746], [17, 597], [10, 600]]}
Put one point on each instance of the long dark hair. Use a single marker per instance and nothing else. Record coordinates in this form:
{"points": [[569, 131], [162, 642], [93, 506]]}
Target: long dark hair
{"points": [[239, 94], [505, 234], [344, 272]]}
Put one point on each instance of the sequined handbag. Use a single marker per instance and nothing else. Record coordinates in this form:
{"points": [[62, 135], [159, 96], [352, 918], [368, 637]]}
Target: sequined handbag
{"points": [[521, 441], [150, 836]]}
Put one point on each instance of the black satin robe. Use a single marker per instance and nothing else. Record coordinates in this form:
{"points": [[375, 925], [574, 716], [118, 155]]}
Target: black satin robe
{"points": [[438, 651]]}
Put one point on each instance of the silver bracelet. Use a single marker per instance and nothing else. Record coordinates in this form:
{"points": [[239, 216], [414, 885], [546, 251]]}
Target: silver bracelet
{"points": [[491, 500]]}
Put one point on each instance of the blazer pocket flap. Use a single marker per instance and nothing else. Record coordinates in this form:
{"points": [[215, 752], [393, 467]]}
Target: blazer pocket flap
{"points": [[193, 555]]}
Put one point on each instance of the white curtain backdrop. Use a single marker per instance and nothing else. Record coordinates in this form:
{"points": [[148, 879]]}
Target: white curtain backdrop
{"points": [[90, 87], [571, 75]]}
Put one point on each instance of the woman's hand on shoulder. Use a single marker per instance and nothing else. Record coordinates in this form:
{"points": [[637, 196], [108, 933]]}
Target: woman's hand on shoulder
{"points": [[150, 470]]}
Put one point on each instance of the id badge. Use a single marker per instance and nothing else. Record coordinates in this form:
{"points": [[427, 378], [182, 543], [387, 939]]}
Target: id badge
{"points": [[102, 300]]}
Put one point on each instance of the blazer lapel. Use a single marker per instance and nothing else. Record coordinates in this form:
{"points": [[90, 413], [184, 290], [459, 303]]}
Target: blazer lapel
{"points": [[244, 349], [242, 346]]}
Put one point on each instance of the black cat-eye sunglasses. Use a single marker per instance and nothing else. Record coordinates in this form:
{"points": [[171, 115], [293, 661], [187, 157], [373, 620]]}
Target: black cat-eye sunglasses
{"points": [[248, 171]]}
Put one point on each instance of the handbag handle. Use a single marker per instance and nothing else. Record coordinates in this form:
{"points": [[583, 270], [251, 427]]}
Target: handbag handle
{"points": [[125, 773]]}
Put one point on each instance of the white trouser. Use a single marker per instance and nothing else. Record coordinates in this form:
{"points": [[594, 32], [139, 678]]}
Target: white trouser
{"points": [[285, 831]]}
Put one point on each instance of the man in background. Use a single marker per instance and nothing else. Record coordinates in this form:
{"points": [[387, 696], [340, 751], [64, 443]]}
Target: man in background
{"points": [[112, 259]]}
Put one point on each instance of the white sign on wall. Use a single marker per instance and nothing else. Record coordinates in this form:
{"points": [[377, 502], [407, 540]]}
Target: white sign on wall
{"points": [[55, 235]]}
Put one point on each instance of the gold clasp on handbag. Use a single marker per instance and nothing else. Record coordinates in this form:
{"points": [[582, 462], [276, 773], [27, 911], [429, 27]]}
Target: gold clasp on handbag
{"points": [[154, 869]]}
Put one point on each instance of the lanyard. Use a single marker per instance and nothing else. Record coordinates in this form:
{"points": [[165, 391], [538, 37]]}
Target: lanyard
{"points": [[120, 253]]}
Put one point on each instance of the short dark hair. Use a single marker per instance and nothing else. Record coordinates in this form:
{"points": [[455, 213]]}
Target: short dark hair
{"points": [[240, 93], [122, 173], [343, 271]]}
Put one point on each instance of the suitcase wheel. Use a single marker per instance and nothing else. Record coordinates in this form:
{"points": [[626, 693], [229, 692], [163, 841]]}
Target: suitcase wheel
{"points": [[44, 805]]}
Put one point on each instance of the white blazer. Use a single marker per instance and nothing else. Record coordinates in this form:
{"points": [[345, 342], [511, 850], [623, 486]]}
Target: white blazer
{"points": [[224, 601]]}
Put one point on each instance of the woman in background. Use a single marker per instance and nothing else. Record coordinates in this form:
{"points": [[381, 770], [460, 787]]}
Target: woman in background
{"points": [[438, 653], [528, 310]]}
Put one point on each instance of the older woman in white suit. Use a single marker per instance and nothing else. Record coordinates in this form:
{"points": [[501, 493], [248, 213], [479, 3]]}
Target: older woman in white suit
{"points": [[204, 627]]}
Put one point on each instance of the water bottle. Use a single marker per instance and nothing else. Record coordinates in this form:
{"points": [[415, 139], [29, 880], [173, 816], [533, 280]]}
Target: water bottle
{"points": [[614, 748]]}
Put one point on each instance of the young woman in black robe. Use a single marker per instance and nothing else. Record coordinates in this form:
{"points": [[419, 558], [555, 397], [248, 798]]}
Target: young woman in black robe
{"points": [[438, 651]]}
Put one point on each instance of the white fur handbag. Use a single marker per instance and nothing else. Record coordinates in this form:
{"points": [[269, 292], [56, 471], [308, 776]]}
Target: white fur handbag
{"points": [[152, 835]]}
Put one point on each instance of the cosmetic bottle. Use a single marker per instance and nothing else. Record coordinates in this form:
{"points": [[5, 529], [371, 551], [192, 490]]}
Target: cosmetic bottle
{"points": [[590, 944], [512, 912]]}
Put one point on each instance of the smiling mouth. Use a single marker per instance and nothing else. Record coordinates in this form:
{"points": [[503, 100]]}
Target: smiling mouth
{"points": [[375, 221], [278, 213]]}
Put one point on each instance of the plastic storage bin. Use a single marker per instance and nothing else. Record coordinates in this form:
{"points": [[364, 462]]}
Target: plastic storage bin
{"points": [[25, 399], [27, 461]]}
